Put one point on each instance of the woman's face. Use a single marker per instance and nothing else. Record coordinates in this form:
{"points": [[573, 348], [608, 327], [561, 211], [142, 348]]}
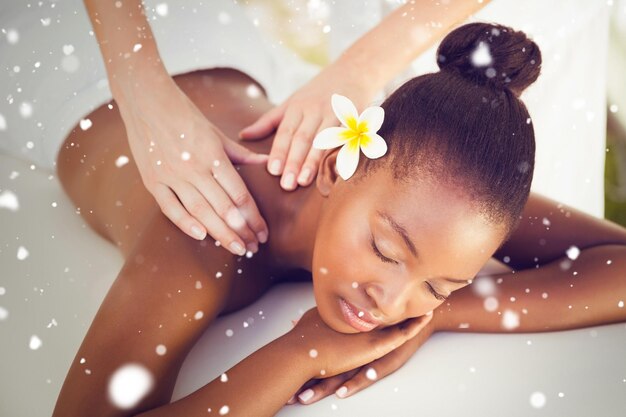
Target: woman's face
{"points": [[383, 250]]}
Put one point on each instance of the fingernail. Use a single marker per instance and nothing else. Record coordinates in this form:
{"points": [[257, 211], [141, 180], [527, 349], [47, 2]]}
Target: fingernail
{"points": [[237, 248], [430, 313], [262, 236], [275, 167], [235, 219], [252, 247], [289, 181], [341, 392], [305, 396], [197, 232], [291, 400], [304, 176]]}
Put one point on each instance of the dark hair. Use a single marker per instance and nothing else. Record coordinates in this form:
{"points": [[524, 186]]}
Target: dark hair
{"points": [[465, 125]]}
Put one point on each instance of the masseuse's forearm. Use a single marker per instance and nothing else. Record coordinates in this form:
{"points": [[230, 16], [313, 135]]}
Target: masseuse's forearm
{"points": [[127, 45], [594, 286], [400, 37], [259, 386]]}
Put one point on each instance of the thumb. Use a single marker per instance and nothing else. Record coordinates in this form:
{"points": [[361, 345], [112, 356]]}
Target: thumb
{"points": [[264, 125], [239, 154]]}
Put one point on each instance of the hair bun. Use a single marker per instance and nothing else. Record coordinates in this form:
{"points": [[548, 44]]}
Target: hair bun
{"points": [[491, 54]]}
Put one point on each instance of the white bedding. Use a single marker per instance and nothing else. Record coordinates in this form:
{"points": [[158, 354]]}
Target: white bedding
{"points": [[69, 269]]}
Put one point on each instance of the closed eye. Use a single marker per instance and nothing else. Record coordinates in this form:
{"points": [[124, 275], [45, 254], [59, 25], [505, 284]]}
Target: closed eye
{"points": [[435, 293], [379, 254]]}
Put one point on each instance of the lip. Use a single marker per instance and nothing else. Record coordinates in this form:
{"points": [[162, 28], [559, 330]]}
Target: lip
{"points": [[350, 314]]}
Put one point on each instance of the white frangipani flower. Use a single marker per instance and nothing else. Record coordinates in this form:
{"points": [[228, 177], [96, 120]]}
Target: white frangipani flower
{"points": [[357, 132]]}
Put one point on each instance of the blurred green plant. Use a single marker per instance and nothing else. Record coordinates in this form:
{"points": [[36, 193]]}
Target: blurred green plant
{"points": [[615, 177]]}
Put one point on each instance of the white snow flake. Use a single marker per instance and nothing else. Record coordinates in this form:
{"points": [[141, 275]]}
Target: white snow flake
{"points": [[8, 200], [573, 252], [371, 374], [4, 313], [85, 124], [35, 342], [510, 320], [22, 253], [490, 304], [121, 161], [161, 9], [26, 109], [253, 91], [12, 36], [481, 57], [129, 384], [537, 399]]}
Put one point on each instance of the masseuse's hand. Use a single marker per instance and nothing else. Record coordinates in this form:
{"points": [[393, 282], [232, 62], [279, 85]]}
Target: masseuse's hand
{"points": [[185, 163], [300, 117], [355, 380], [337, 357]]}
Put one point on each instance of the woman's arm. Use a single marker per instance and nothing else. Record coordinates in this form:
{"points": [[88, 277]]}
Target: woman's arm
{"points": [[261, 384], [359, 73], [176, 149], [402, 36], [586, 291]]}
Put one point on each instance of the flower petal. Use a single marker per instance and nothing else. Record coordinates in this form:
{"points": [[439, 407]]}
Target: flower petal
{"points": [[373, 146], [345, 111], [374, 117], [329, 138], [348, 159]]}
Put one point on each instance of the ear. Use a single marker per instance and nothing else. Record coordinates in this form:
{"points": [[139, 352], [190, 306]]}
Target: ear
{"points": [[327, 174]]}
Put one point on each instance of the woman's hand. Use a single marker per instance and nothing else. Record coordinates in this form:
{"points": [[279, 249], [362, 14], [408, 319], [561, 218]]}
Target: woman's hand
{"points": [[327, 353], [354, 380], [185, 163], [300, 117]]}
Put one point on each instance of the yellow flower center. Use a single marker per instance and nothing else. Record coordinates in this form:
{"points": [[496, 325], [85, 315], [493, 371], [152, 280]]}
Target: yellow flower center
{"points": [[356, 133]]}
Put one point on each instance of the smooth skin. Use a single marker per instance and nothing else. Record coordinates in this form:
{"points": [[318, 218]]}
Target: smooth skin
{"points": [[155, 296], [162, 124], [359, 73]]}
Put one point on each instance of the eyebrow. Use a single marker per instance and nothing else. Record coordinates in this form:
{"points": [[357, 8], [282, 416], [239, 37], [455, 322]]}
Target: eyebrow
{"points": [[401, 231]]}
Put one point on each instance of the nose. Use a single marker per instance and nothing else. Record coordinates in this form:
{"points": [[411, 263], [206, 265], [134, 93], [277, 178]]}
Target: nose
{"points": [[391, 300]]}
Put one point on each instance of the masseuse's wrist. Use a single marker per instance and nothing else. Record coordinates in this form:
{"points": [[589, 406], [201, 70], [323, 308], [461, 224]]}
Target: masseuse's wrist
{"points": [[355, 81], [354, 67], [138, 79]]}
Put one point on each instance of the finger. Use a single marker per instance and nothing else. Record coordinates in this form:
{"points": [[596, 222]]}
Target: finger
{"points": [[239, 154], [311, 163], [265, 124], [310, 166], [366, 376], [300, 146], [174, 210], [392, 337], [325, 387], [280, 147], [230, 180], [225, 209], [200, 209]]}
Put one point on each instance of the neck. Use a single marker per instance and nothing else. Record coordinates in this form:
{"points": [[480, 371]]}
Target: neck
{"points": [[291, 216]]}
